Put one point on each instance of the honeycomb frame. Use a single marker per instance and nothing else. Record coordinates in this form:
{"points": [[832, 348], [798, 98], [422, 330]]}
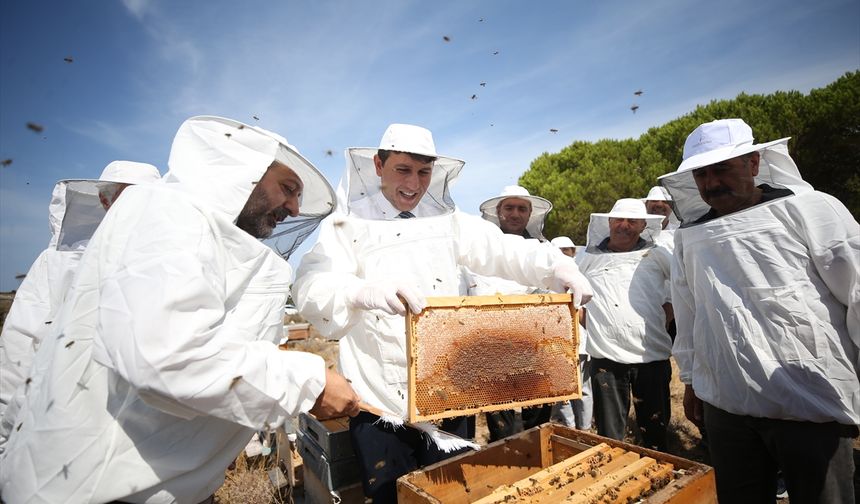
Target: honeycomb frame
{"points": [[543, 328]]}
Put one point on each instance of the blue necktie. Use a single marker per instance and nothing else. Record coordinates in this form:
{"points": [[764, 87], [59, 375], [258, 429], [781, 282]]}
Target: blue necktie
{"points": [[405, 215]]}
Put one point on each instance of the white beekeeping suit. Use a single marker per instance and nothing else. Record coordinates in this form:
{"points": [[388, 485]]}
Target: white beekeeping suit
{"points": [[636, 331], [363, 245], [163, 361], [767, 299], [74, 214]]}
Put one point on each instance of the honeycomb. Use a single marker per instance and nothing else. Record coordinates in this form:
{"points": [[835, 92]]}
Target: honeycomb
{"points": [[491, 354], [599, 475]]}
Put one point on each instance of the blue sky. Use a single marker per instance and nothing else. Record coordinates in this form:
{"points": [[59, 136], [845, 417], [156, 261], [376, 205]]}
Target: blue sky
{"points": [[332, 74]]}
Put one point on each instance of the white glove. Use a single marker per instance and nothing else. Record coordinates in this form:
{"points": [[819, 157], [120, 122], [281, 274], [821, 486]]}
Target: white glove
{"points": [[382, 295], [568, 277]]}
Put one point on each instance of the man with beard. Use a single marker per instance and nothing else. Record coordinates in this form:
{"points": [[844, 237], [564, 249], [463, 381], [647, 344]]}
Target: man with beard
{"points": [[627, 338], [164, 360]]}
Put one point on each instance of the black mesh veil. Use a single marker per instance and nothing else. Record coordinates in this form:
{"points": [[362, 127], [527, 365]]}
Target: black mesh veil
{"points": [[317, 202]]}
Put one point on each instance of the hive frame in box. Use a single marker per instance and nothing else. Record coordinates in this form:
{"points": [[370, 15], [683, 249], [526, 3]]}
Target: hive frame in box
{"points": [[522, 303], [540, 457]]}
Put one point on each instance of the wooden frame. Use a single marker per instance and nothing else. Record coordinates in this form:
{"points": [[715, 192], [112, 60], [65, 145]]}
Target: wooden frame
{"points": [[503, 302], [507, 470]]}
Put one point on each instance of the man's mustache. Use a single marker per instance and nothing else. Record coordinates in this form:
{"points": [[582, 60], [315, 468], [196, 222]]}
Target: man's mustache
{"points": [[280, 214]]}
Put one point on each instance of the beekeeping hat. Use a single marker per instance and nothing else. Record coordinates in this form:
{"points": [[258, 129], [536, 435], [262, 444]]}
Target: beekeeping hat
{"points": [[718, 141], [129, 172], [562, 242], [657, 193], [540, 208], [362, 181], [75, 209], [625, 208], [221, 160]]}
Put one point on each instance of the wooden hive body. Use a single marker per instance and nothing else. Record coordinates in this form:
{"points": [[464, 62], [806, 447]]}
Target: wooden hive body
{"points": [[553, 463], [473, 354]]}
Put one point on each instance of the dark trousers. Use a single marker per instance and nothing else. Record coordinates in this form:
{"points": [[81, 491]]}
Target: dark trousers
{"points": [[385, 453], [502, 424], [612, 384], [816, 459]]}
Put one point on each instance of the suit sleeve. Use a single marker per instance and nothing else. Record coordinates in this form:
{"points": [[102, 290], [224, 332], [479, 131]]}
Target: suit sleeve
{"points": [[325, 276], [163, 328]]}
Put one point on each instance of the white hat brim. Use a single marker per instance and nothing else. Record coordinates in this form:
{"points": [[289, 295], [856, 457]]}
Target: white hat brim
{"points": [[629, 215], [369, 152], [539, 205], [724, 153]]}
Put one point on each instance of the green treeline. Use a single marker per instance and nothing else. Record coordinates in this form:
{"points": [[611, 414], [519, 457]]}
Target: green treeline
{"points": [[824, 127]]}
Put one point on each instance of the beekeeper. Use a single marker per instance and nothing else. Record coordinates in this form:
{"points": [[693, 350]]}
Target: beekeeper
{"points": [[767, 298], [163, 361], [627, 338], [398, 233], [516, 212], [76, 209], [659, 202], [577, 412]]}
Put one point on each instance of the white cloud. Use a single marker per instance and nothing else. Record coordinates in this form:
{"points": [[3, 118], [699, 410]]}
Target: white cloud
{"points": [[138, 8]]}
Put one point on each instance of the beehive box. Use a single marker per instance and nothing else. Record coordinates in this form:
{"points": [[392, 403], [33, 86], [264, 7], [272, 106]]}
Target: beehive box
{"points": [[553, 463], [334, 474], [331, 435], [474, 354]]}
